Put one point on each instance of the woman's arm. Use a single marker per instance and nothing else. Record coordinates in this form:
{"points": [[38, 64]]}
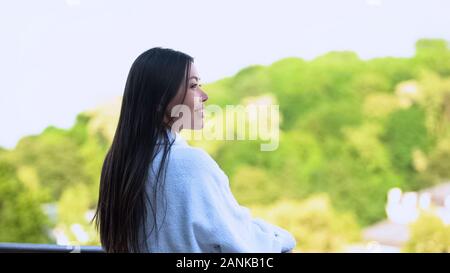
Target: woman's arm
{"points": [[219, 221]]}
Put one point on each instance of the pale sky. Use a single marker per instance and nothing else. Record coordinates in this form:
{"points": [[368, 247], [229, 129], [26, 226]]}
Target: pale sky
{"points": [[60, 57]]}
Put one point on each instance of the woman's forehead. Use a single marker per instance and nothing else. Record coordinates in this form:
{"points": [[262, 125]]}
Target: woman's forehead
{"points": [[193, 73]]}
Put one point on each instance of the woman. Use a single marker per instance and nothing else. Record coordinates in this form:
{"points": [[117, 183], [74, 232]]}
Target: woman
{"points": [[158, 194]]}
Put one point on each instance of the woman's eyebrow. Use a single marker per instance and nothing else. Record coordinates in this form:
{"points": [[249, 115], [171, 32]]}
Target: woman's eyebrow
{"points": [[194, 77]]}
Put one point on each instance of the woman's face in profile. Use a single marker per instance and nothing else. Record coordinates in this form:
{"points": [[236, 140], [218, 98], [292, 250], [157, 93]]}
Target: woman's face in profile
{"points": [[193, 106]]}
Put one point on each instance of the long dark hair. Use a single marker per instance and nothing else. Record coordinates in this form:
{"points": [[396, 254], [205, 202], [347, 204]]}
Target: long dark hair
{"points": [[153, 81]]}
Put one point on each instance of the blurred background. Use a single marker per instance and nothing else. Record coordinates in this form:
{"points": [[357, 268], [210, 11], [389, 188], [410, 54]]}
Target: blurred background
{"points": [[363, 87]]}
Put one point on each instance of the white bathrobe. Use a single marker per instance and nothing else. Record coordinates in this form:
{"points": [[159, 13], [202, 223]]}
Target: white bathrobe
{"points": [[200, 212]]}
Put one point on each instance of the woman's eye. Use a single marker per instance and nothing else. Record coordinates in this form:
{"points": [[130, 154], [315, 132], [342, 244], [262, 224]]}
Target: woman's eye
{"points": [[195, 85]]}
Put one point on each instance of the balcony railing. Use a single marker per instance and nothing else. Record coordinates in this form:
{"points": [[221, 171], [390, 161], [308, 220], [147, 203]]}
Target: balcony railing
{"points": [[45, 248]]}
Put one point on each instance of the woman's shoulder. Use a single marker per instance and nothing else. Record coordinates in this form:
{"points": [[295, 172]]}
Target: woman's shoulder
{"points": [[186, 157], [192, 157], [191, 163]]}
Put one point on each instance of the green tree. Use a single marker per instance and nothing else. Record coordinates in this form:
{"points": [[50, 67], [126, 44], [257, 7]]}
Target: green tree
{"points": [[315, 224], [21, 216], [433, 54], [428, 234]]}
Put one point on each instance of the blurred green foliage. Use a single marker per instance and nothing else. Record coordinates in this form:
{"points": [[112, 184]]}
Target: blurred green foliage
{"points": [[428, 234], [58, 167], [315, 224], [21, 215], [350, 130]]}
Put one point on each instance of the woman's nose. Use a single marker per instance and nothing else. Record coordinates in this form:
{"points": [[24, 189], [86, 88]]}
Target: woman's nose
{"points": [[204, 96]]}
